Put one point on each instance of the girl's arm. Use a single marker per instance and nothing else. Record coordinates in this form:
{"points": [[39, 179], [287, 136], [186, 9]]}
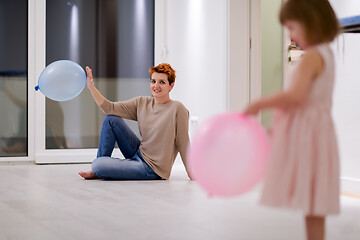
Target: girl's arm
{"points": [[98, 97], [311, 66]]}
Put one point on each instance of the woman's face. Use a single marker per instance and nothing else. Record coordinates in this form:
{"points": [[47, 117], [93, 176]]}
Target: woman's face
{"points": [[159, 85], [297, 33]]}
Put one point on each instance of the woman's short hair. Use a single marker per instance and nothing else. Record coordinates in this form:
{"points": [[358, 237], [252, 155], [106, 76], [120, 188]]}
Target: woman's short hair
{"points": [[317, 17], [164, 68]]}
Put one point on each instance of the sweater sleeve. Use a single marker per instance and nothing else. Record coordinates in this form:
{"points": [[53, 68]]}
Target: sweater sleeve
{"points": [[182, 134], [124, 109]]}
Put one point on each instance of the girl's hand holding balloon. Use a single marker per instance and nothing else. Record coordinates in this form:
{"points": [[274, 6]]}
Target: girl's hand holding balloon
{"points": [[190, 176], [252, 109]]}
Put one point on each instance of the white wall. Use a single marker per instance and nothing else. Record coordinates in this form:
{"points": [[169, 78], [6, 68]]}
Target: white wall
{"points": [[191, 35], [347, 97], [346, 8]]}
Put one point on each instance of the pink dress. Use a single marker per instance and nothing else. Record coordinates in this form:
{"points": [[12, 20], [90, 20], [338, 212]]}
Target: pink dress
{"points": [[303, 171]]}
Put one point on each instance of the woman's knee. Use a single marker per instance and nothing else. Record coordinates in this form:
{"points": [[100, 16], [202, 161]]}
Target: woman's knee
{"points": [[112, 119]]}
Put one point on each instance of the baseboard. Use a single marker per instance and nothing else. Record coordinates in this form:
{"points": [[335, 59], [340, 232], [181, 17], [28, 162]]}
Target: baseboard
{"points": [[16, 162], [350, 187]]}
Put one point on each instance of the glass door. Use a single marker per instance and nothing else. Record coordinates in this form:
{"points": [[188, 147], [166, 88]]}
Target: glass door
{"points": [[116, 39], [13, 79]]}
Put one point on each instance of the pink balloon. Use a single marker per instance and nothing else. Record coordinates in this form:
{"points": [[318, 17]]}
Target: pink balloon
{"points": [[228, 154]]}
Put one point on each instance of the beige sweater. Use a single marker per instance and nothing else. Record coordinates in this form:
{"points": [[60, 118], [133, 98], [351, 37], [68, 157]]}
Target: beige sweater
{"points": [[163, 127]]}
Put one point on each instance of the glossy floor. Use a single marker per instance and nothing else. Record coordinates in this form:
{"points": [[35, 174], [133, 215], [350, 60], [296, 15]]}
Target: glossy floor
{"points": [[53, 202]]}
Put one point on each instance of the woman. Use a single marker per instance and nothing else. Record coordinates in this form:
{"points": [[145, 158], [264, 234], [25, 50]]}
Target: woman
{"points": [[163, 125]]}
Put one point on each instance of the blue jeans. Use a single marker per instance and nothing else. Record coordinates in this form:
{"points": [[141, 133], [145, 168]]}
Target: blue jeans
{"points": [[133, 167]]}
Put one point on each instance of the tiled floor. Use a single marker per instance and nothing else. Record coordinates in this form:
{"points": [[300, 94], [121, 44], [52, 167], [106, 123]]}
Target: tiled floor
{"points": [[53, 202]]}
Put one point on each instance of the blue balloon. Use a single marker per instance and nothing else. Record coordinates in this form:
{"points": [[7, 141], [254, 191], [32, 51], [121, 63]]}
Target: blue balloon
{"points": [[62, 80]]}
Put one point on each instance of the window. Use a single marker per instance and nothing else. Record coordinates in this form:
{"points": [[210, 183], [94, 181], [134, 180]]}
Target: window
{"points": [[13, 77], [116, 39]]}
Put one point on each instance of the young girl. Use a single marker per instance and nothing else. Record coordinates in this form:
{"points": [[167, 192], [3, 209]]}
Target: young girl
{"points": [[303, 172]]}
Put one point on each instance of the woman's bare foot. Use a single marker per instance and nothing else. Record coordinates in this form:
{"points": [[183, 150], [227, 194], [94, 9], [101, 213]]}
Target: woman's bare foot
{"points": [[88, 175]]}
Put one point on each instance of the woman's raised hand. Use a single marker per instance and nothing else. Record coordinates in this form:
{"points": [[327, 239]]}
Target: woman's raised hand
{"points": [[99, 99], [89, 78]]}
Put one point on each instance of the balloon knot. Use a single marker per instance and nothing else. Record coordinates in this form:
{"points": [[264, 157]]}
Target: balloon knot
{"points": [[37, 88]]}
